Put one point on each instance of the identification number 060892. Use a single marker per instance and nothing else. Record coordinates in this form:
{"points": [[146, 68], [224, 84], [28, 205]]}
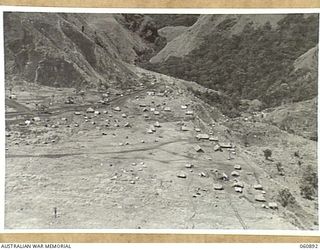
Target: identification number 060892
{"points": [[309, 246]]}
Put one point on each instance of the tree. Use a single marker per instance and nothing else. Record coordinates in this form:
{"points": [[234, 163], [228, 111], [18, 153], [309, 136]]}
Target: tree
{"points": [[279, 168], [309, 183], [286, 198], [267, 154]]}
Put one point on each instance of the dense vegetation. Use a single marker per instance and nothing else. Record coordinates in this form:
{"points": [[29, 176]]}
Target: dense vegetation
{"points": [[309, 183], [226, 105], [286, 199], [255, 64]]}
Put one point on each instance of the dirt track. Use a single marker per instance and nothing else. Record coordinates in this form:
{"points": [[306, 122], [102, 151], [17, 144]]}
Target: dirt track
{"points": [[128, 178]]}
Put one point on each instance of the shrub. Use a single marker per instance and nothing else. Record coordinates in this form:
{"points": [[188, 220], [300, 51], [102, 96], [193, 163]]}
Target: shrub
{"points": [[267, 153], [285, 197], [309, 183], [279, 168]]}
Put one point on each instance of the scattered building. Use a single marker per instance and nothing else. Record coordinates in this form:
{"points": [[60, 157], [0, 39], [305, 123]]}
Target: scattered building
{"points": [[260, 198], [202, 137], [182, 175], [273, 205], [36, 119], [217, 187], [211, 138], [258, 187], [198, 149], [237, 167], [184, 128], [235, 174], [225, 145], [217, 147], [189, 165], [90, 110], [157, 124]]}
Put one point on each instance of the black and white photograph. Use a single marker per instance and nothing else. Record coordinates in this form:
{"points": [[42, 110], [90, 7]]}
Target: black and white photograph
{"points": [[161, 121]]}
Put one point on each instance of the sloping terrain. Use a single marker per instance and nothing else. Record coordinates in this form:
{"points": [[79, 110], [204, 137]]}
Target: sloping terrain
{"points": [[307, 60], [298, 118], [136, 149], [131, 165], [247, 57], [111, 32], [171, 32], [193, 37], [60, 50]]}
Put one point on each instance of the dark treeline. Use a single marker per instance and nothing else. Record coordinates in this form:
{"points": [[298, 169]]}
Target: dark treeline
{"points": [[255, 64]]}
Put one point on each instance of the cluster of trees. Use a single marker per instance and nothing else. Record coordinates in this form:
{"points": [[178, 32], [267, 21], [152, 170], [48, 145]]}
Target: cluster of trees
{"points": [[249, 65], [309, 183], [285, 198], [228, 106]]}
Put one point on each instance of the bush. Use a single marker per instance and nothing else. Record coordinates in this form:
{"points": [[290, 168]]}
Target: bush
{"points": [[285, 197], [309, 184], [279, 168], [267, 153]]}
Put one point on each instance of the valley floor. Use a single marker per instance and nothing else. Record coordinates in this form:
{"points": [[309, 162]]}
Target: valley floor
{"points": [[107, 170]]}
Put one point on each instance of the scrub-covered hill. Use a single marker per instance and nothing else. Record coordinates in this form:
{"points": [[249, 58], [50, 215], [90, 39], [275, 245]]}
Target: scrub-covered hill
{"points": [[246, 56]]}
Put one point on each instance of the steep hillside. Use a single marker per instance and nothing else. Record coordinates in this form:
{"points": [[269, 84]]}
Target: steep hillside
{"points": [[61, 50], [246, 57], [307, 60], [299, 84], [193, 37], [113, 33], [299, 118], [171, 32]]}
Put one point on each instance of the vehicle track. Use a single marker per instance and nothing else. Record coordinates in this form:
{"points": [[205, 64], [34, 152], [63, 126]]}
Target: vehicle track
{"points": [[156, 146], [18, 106], [23, 110], [236, 212]]}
